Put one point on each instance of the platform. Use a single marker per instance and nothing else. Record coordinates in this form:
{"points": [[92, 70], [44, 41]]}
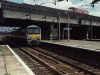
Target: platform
{"points": [[2, 64], [88, 45], [10, 64]]}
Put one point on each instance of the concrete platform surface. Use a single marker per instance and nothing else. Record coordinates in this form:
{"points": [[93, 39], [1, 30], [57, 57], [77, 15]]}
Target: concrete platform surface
{"points": [[90, 45], [2, 64], [12, 65]]}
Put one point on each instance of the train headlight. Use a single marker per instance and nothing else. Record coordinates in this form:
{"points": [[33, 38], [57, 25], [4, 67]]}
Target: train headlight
{"points": [[37, 37], [29, 37]]}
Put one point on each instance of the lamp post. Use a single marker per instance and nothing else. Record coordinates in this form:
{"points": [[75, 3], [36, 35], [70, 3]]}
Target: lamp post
{"points": [[68, 24], [59, 26], [58, 18], [91, 28]]}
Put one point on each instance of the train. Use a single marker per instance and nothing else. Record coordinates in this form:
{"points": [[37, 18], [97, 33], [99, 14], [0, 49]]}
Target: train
{"points": [[78, 10], [31, 35]]}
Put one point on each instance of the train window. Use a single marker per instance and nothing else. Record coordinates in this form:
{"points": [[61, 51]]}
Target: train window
{"points": [[71, 10], [33, 31], [86, 11], [80, 11], [36, 31], [30, 31], [77, 10], [83, 11]]}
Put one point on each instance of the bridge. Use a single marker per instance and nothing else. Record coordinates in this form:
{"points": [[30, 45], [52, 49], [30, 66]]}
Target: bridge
{"points": [[19, 14], [42, 13]]}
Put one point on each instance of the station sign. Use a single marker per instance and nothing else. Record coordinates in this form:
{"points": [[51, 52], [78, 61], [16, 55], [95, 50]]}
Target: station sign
{"points": [[67, 28]]}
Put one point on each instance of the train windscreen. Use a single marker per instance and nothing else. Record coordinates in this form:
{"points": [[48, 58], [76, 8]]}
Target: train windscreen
{"points": [[36, 31], [33, 31]]}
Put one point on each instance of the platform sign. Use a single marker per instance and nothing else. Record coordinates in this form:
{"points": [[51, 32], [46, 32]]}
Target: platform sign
{"points": [[67, 28]]}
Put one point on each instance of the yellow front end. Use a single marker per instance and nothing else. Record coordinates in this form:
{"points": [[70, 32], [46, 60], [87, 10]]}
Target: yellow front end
{"points": [[33, 39]]}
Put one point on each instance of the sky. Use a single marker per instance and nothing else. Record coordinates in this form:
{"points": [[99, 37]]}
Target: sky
{"points": [[17, 1], [7, 29]]}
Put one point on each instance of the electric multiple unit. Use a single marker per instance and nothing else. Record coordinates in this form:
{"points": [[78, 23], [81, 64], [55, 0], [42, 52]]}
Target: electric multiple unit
{"points": [[31, 35]]}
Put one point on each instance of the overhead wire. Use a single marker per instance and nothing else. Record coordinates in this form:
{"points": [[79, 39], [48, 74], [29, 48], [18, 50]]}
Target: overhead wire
{"points": [[72, 3], [26, 14], [91, 8], [43, 2]]}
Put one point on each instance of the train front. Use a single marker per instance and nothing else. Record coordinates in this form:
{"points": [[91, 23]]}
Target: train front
{"points": [[33, 35]]}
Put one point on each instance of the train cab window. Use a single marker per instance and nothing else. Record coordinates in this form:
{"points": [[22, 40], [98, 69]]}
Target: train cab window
{"points": [[71, 10], [86, 12], [30, 31], [83, 11], [33, 31], [77, 10], [36, 31]]}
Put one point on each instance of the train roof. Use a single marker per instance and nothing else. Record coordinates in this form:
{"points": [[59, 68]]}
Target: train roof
{"points": [[32, 26], [77, 8]]}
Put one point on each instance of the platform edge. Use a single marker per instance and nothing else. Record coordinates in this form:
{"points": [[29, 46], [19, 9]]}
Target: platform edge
{"points": [[24, 65]]}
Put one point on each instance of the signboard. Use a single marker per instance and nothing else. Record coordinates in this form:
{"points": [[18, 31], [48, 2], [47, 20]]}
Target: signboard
{"points": [[67, 28]]}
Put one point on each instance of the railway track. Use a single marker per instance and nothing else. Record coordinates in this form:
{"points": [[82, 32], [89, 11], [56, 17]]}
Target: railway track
{"points": [[87, 67], [53, 64], [38, 66]]}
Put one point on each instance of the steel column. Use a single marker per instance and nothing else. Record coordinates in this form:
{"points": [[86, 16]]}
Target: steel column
{"points": [[91, 28], [59, 26], [68, 25]]}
